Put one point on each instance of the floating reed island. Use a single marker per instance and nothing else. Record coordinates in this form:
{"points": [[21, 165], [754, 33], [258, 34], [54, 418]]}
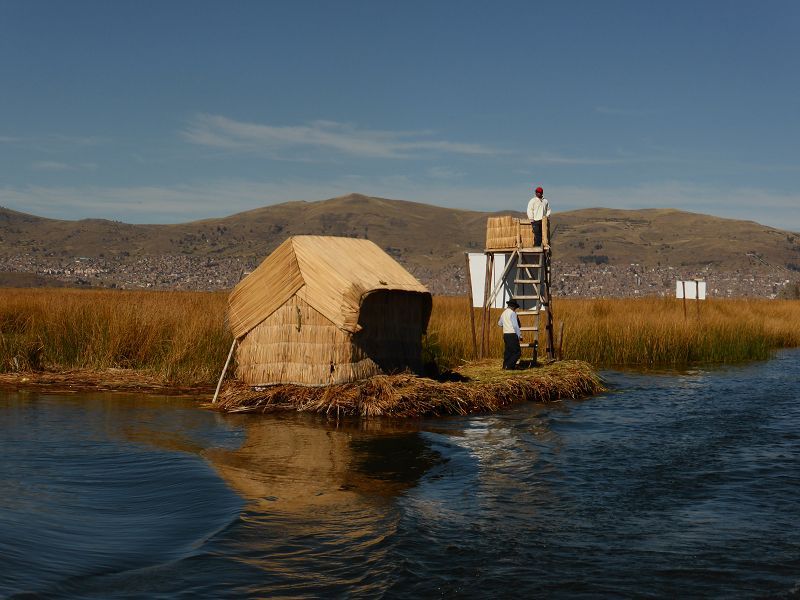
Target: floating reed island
{"points": [[473, 388], [334, 326]]}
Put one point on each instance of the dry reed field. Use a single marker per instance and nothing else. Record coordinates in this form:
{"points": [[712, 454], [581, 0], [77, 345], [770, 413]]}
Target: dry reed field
{"points": [[176, 336], [181, 337], [646, 332]]}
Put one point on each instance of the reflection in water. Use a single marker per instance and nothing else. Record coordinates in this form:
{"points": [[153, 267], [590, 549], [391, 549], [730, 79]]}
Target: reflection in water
{"points": [[671, 485], [320, 517], [299, 463]]}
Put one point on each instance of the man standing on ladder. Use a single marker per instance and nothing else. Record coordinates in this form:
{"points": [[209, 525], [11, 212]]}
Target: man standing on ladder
{"points": [[538, 208], [512, 335]]}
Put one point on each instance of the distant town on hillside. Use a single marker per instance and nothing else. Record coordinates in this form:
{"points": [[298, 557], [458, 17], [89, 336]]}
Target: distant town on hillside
{"points": [[596, 252]]}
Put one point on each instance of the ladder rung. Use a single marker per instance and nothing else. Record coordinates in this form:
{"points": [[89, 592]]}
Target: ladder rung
{"points": [[527, 281], [524, 313], [526, 297], [529, 329], [525, 345], [528, 266]]}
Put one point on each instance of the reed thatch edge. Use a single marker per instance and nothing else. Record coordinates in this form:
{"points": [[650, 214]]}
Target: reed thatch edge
{"points": [[484, 388]]}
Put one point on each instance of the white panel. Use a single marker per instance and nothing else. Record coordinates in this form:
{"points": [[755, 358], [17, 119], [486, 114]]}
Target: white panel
{"points": [[499, 267], [477, 275], [695, 290]]}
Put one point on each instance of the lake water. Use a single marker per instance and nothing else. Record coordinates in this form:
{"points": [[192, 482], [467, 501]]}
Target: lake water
{"points": [[670, 485]]}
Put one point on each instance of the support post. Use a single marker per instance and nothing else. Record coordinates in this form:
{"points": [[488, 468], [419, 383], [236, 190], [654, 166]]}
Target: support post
{"points": [[683, 285], [486, 284], [471, 308], [545, 231], [224, 370], [514, 255]]}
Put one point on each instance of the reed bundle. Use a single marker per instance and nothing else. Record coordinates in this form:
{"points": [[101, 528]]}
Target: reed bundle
{"points": [[508, 232], [485, 388]]}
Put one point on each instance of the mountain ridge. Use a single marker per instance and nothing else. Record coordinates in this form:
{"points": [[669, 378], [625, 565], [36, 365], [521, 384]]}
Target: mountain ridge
{"points": [[417, 233]]}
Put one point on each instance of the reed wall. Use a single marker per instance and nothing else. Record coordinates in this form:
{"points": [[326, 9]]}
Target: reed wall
{"points": [[297, 344]]}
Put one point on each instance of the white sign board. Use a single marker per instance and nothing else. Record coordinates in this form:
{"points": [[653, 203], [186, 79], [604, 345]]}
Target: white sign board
{"points": [[477, 275], [691, 290]]}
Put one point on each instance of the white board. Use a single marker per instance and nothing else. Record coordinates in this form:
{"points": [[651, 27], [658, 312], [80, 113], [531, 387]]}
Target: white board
{"points": [[695, 290], [477, 275]]}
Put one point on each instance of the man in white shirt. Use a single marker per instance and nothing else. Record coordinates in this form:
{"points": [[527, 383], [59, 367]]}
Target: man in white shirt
{"points": [[512, 335], [538, 208]]}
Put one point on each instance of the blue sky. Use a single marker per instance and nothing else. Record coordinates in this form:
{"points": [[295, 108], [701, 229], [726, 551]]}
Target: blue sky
{"points": [[161, 112]]}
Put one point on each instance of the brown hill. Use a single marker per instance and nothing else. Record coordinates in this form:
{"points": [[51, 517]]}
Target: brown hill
{"points": [[428, 237], [654, 237]]}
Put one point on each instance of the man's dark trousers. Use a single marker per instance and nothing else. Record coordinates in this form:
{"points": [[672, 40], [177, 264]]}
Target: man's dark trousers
{"points": [[512, 352], [537, 233]]}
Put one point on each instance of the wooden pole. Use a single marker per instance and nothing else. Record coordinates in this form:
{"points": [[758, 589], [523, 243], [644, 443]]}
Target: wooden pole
{"points": [[697, 296], [471, 308], [224, 370], [683, 284], [560, 339], [486, 284], [551, 349], [545, 231], [514, 254]]}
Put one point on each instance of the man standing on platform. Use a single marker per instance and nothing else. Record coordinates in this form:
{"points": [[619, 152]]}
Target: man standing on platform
{"points": [[538, 208], [512, 335]]}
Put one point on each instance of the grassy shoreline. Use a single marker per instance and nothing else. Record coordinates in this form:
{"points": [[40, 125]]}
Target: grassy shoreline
{"points": [[482, 387], [181, 337]]}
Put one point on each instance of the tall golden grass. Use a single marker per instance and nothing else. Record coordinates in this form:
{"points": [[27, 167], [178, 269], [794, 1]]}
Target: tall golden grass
{"points": [[179, 336], [182, 337], [646, 332]]}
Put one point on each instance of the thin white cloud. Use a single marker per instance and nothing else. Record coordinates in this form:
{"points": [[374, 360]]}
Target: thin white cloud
{"points": [[625, 112], [224, 133], [53, 165], [53, 140], [444, 173], [546, 159], [49, 165]]}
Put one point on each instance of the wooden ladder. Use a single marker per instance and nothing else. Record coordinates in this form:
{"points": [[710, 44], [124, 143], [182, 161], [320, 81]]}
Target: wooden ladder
{"points": [[532, 292]]}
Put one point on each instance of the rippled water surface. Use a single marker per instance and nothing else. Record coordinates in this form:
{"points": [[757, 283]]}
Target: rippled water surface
{"points": [[671, 485]]}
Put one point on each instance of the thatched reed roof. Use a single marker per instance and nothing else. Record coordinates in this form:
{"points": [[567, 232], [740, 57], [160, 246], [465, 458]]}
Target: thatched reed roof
{"points": [[332, 274]]}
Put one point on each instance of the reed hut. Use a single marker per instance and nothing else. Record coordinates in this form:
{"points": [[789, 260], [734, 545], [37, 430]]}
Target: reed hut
{"points": [[327, 310]]}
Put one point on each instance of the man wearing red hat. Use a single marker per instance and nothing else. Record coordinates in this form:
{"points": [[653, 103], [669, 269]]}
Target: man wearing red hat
{"points": [[538, 208]]}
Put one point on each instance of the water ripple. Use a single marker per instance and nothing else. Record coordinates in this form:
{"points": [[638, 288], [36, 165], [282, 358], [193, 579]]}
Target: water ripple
{"points": [[670, 485]]}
